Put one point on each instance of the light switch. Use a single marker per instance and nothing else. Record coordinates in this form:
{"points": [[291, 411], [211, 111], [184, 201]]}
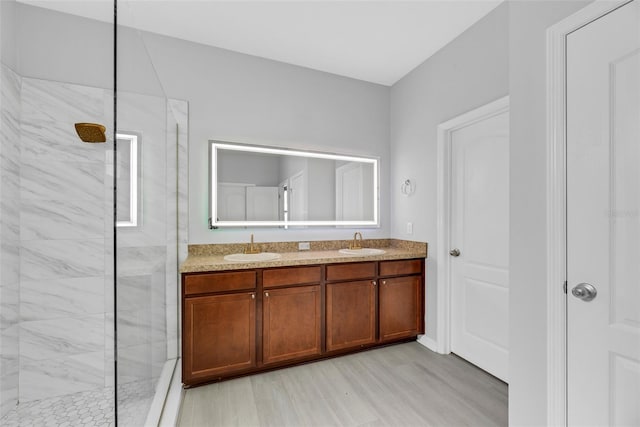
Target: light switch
{"points": [[409, 228]]}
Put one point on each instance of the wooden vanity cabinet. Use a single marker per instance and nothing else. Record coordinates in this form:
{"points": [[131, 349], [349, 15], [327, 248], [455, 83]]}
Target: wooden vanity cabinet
{"points": [[400, 300], [291, 323], [351, 305], [219, 329], [351, 314], [291, 315], [245, 321], [219, 335]]}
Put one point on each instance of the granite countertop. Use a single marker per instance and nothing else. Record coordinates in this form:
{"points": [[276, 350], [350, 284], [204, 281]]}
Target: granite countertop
{"points": [[211, 257]]}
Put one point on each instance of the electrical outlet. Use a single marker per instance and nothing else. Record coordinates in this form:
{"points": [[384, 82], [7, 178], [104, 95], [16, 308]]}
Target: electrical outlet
{"points": [[304, 246], [409, 228]]}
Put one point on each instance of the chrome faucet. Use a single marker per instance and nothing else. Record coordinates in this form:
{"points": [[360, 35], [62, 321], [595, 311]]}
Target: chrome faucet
{"points": [[355, 244], [252, 249]]}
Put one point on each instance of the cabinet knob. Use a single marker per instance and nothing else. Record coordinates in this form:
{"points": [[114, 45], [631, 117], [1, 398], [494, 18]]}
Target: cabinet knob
{"points": [[253, 296], [266, 294], [384, 282], [373, 282]]}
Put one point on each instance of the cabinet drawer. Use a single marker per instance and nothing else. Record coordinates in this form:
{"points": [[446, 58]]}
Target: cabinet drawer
{"points": [[290, 276], [401, 267], [359, 270], [219, 282]]}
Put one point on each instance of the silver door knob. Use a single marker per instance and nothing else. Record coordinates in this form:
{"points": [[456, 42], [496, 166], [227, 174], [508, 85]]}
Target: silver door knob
{"points": [[454, 252], [584, 291]]}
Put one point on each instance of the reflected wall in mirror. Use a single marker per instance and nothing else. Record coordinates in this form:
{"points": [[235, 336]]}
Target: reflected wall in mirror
{"points": [[264, 186]]}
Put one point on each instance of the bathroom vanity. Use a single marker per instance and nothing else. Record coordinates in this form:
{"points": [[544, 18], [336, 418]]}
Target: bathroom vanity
{"points": [[250, 317]]}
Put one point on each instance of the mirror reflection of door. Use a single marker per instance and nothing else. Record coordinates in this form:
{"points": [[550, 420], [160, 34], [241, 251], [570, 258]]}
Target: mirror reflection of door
{"points": [[262, 203], [297, 197], [239, 202], [353, 202], [231, 201], [310, 180]]}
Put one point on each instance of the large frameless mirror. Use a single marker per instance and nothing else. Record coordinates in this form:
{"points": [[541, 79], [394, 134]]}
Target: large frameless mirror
{"points": [[265, 186]]}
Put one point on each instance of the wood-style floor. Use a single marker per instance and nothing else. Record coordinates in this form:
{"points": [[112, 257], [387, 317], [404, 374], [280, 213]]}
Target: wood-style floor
{"points": [[400, 385]]}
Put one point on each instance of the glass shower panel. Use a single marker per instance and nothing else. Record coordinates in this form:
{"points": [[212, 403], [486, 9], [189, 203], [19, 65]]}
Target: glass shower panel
{"points": [[145, 167], [56, 281]]}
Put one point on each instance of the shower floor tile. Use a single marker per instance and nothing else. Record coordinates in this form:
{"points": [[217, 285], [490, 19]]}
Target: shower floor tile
{"points": [[85, 409]]}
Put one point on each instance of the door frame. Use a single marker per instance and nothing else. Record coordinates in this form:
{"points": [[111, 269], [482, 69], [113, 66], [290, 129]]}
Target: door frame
{"points": [[556, 203], [443, 260]]}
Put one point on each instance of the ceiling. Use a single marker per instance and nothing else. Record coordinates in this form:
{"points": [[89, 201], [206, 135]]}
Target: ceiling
{"points": [[374, 41]]}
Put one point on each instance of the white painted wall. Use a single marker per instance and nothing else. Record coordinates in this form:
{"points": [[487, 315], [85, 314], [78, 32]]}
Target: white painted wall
{"points": [[469, 72], [7, 33], [248, 168], [528, 21], [240, 98], [59, 47], [65, 48], [232, 97]]}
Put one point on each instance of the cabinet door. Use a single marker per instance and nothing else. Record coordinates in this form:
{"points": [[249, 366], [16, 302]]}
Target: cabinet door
{"points": [[291, 323], [351, 314], [219, 335], [399, 307]]}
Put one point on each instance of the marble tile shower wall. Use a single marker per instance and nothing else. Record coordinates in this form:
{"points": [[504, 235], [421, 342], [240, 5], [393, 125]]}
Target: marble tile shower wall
{"points": [[10, 84], [56, 258], [63, 248]]}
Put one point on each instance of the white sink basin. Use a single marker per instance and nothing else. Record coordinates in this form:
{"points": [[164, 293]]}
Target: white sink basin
{"points": [[262, 256], [362, 252]]}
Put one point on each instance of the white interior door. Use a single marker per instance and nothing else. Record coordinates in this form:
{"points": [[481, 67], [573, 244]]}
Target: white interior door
{"points": [[480, 235], [603, 220], [232, 202], [297, 192], [350, 192], [262, 203]]}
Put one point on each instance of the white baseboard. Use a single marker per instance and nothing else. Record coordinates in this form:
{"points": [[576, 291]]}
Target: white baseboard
{"points": [[430, 343]]}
